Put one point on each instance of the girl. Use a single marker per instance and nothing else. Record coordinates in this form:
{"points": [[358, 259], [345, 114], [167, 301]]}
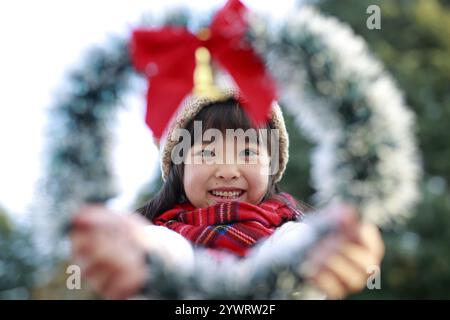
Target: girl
{"points": [[224, 196]]}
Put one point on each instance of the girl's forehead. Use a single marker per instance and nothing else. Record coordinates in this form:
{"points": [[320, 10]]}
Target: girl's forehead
{"points": [[225, 142], [206, 132]]}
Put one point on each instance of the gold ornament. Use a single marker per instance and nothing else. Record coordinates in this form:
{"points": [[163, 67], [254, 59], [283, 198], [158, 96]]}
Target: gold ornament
{"points": [[204, 86]]}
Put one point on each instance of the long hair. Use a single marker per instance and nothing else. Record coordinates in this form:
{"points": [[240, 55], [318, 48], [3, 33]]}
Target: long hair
{"points": [[218, 115]]}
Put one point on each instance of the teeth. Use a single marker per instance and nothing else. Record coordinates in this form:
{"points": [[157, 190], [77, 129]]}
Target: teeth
{"points": [[228, 194]]}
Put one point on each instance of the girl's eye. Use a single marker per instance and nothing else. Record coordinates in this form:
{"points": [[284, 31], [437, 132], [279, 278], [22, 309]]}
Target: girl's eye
{"points": [[208, 153], [248, 153]]}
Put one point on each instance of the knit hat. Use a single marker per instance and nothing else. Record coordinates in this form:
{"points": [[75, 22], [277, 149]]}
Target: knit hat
{"points": [[193, 105]]}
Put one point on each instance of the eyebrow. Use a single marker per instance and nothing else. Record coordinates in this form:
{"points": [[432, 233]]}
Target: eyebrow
{"points": [[247, 143]]}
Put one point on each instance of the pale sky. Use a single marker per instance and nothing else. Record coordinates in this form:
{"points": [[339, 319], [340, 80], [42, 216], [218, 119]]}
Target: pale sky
{"points": [[41, 40]]}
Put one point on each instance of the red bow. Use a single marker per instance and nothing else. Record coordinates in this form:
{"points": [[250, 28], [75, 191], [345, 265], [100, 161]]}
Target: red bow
{"points": [[167, 57]]}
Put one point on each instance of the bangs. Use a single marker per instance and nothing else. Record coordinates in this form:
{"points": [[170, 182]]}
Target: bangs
{"points": [[224, 115]]}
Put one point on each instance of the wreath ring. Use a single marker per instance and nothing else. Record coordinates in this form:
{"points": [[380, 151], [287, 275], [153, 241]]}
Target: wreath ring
{"points": [[342, 99]]}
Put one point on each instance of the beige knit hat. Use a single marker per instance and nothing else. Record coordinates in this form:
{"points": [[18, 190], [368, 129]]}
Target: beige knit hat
{"points": [[193, 105]]}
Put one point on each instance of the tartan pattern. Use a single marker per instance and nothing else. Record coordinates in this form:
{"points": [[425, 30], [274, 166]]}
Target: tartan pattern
{"points": [[232, 226]]}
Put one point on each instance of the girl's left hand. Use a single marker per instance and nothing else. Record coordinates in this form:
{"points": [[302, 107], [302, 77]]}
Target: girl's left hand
{"points": [[341, 263]]}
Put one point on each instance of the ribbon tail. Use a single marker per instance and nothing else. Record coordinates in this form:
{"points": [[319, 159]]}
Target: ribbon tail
{"points": [[256, 85], [230, 48]]}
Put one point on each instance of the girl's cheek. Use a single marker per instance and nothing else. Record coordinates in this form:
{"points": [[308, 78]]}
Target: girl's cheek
{"points": [[196, 175], [258, 182], [259, 171], [264, 172]]}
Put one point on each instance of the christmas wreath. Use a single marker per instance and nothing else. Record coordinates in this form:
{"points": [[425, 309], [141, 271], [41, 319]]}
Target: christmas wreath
{"points": [[342, 99]]}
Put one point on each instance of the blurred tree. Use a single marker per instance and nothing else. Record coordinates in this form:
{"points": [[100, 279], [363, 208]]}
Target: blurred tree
{"points": [[17, 260], [296, 179], [148, 191], [56, 287], [19, 268]]}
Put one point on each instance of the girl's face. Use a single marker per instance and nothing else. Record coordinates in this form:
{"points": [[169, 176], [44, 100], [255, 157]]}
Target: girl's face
{"points": [[227, 171]]}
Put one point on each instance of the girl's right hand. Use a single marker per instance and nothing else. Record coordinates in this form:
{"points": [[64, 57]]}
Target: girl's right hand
{"points": [[110, 249]]}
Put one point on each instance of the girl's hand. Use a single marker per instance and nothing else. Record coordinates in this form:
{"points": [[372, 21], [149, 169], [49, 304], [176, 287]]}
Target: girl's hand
{"points": [[110, 249], [339, 265]]}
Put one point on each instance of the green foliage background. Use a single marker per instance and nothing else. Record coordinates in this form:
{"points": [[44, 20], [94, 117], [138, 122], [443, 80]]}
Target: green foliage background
{"points": [[17, 258]]}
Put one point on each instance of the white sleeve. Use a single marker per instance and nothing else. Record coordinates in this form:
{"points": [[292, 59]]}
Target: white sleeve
{"points": [[283, 237], [171, 246]]}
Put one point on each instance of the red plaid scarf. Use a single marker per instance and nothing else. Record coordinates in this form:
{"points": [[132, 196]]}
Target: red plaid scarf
{"points": [[233, 226]]}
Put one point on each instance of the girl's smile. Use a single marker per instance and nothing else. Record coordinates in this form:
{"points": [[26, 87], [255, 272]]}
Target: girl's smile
{"points": [[226, 194]]}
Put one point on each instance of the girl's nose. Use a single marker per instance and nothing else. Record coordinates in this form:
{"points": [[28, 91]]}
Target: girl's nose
{"points": [[227, 172]]}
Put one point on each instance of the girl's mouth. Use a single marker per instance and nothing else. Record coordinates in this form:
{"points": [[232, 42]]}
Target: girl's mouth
{"points": [[228, 194]]}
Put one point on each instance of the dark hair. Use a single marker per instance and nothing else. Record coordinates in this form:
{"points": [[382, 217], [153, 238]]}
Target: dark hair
{"points": [[219, 115]]}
